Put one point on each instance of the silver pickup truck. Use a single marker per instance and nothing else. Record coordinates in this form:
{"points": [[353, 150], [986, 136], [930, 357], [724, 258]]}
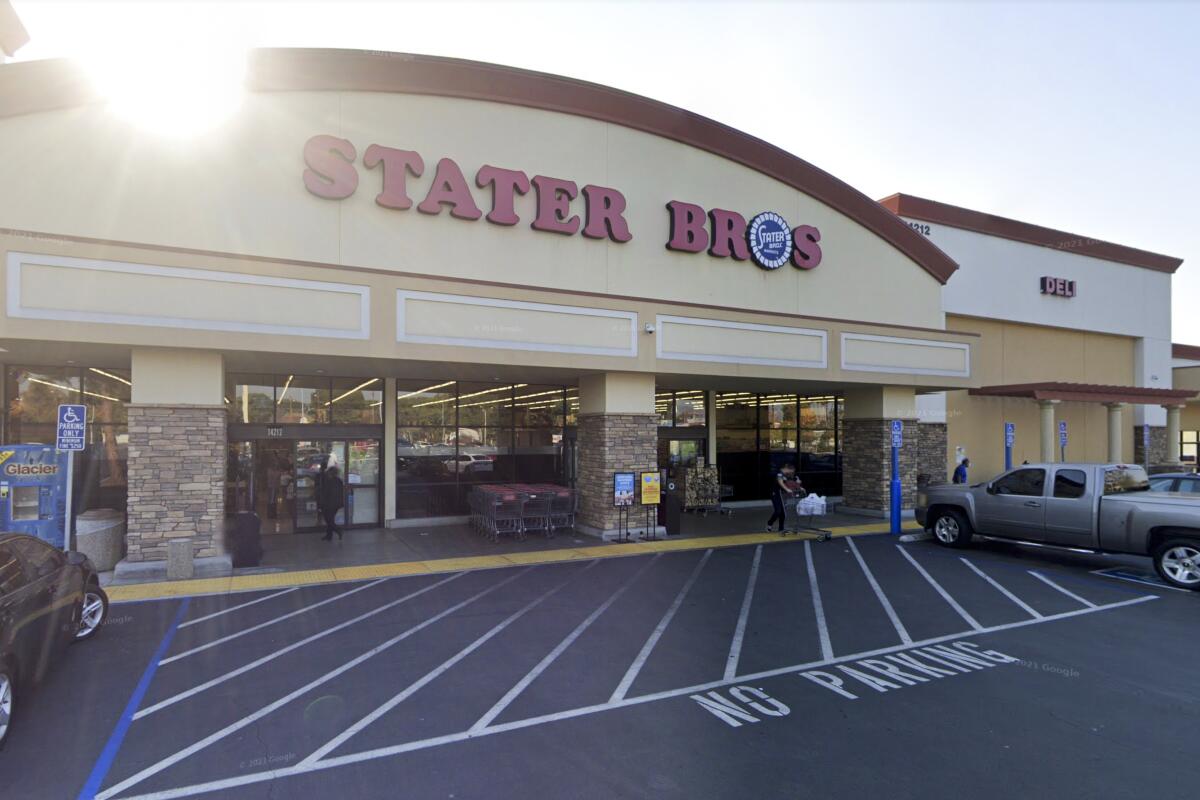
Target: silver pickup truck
{"points": [[1097, 508]]}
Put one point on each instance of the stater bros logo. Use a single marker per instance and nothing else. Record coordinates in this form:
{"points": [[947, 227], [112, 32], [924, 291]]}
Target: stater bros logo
{"points": [[770, 240]]}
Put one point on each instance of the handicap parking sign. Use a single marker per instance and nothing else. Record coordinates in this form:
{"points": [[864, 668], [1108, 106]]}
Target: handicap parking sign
{"points": [[1062, 433], [1010, 434], [72, 427], [897, 433]]}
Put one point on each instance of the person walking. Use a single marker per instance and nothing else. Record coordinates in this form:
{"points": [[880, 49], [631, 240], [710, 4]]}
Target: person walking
{"points": [[331, 496], [785, 486], [960, 472]]}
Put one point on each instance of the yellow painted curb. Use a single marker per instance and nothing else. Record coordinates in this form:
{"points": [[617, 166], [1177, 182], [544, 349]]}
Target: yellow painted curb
{"points": [[274, 580]]}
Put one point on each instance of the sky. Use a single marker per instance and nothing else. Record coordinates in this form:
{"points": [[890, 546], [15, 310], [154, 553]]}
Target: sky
{"points": [[1078, 116]]}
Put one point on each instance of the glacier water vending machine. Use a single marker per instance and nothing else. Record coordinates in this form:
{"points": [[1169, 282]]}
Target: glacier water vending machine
{"points": [[34, 496]]}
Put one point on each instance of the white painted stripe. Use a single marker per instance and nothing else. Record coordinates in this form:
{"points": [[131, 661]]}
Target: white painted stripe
{"points": [[1067, 592], [249, 719], [818, 608], [433, 674], [550, 657], [901, 631], [195, 690], [268, 623], [1027, 608], [636, 667], [735, 647], [408, 747], [962, 612], [236, 608]]}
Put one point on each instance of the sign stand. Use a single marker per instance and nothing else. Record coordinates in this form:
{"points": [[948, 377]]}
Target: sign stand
{"points": [[1062, 441], [894, 505], [1010, 435], [70, 436], [651, 497], [623, 524]]}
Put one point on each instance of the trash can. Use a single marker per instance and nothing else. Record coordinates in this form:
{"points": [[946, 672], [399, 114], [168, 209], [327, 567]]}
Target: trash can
{"points": [[673, 514], [100, 535]]}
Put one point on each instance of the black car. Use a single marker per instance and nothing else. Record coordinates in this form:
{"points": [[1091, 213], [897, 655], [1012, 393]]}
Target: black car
{"points": [[48, 599]]}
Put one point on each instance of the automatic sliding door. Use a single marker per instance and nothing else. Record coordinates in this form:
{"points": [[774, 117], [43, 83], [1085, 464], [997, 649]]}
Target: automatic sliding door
{"points": [[312, 459]]}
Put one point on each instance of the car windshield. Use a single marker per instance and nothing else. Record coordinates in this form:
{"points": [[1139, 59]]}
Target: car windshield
{"points": [[1124, 479]]}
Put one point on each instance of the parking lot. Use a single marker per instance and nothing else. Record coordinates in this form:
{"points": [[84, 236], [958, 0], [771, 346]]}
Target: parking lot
{"points": [[818, 669]]}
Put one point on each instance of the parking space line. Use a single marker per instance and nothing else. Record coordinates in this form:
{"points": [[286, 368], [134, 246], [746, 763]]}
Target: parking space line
{"points": [[433, 674], [234, 727], [962, 612], [818, 608], [901, 631], [636, 667], [237, 607], [113, 745], [195, 690], [261, 625], [1025, 606], [735, 647], [1067, 592], [504, 727], [559, 649]]}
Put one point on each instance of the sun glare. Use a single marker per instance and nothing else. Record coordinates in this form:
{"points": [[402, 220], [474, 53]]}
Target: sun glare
{"points": [[173, 90]]}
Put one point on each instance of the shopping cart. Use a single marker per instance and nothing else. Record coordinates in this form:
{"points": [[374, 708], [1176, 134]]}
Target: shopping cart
{"points": [[800, 517]]}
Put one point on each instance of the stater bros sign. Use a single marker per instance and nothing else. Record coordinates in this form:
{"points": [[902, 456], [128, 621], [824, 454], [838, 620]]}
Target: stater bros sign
{"points": [[332, 172]]}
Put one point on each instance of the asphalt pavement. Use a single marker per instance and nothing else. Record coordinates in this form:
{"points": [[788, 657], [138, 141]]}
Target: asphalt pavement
{"points": [[855, 667]]}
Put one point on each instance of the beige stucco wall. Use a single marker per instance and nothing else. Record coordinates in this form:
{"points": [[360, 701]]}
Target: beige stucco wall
{"points": [[1010, 353], [238, 189], [168, 376], [616, 393]]}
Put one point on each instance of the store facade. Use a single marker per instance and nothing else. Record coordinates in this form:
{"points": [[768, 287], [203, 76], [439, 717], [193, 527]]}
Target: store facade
{"points": [[437, 273]]}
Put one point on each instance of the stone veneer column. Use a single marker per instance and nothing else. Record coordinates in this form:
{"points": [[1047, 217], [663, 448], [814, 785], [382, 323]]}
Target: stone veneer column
{"points": [[609, 443], [932, 445], [617, 432], [1158, 446], [176, 479], [867, 463], [867, 447]]}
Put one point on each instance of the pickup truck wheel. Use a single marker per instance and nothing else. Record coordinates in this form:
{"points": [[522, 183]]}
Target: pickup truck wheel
{"points": [[1178, 562], [951, 529]]}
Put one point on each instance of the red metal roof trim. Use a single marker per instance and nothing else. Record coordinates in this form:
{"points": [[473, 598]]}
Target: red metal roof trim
{"points": [[1087, 393], [906, 205], [1190, 351]]}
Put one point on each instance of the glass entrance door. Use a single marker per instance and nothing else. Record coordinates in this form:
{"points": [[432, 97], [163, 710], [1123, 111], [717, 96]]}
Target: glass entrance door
{"points": [[311, 460]]}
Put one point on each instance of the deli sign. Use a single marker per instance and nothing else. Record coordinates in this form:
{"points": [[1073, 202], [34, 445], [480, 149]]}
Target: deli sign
{"points": [[561, 206], [1059, 287]]}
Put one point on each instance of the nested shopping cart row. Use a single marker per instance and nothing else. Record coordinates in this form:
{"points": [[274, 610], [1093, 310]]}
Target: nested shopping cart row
{"points": [[518, 509]]}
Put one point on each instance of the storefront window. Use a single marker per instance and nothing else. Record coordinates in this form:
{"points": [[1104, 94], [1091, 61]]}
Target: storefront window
{"points": [[250, 398], [303, 400], [777, 411], [664, 406], [31, 407], [451, 436], [689, 409], [357, 402]]}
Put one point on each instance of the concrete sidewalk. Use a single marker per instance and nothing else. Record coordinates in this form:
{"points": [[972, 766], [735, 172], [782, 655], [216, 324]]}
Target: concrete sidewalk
{"points": [[306, 559]]}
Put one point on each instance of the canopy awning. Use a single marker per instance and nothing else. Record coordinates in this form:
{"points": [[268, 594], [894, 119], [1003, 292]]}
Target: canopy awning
{"points": [[1088, 393]]}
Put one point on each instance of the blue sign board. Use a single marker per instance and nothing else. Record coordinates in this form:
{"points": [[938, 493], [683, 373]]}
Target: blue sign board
{"points": [[1062, 434], [623, 488], [1146, 436], [72, 427], [897, 433], [1010, 434], [33, 491], [770, 239]]}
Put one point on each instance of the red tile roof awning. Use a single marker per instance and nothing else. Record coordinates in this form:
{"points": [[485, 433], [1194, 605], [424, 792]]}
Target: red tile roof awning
{"points": [[1087, 393], [1189, 351]]}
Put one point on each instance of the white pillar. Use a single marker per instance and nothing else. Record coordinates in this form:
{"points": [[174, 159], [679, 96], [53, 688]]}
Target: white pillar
{"points": [[1049, 430], [1115, 431], [710, 419], [388, 473], [1173, 454]]}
